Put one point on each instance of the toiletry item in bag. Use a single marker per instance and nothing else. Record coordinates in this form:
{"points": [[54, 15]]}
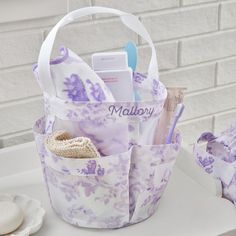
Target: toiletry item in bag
{"points": [[75, 80], [114, 71], [132, 53], [178, 113], [109, 61], [119, 82], [174, 97], [62, 144]]}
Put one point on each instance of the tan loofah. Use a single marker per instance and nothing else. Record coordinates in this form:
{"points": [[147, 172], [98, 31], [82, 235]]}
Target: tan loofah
{"points": [[62, 144]]}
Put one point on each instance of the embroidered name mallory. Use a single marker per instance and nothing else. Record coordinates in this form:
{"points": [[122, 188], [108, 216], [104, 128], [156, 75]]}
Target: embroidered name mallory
{"points": [[131, 111]]}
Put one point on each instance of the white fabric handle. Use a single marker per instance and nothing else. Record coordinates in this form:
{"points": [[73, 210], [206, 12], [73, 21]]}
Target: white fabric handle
{"points": [[129, 20]]}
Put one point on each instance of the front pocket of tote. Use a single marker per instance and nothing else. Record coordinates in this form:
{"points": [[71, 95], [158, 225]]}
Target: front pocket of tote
{"points": [[151, 167], [90, 192]]}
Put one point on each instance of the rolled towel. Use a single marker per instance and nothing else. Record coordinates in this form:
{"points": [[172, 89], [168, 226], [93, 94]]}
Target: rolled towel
{"points": [[62, 144]]}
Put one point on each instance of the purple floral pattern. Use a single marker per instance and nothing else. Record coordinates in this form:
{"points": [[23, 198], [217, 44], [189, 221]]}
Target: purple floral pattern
{"points": [[206, 163], [148, 179], [139, 78], [219, 159], [109, 192], [96, 91], [155, 87], [126, 184], [91, 169], [75, 88], [69, 74]]}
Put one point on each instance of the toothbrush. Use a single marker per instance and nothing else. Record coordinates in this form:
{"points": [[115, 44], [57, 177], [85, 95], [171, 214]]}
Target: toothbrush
{"points": [[132, 53], [178, 113]]}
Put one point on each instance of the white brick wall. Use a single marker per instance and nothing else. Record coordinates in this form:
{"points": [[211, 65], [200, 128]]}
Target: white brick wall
{"points": [[181, 22], [195, 41], [228, 15]]}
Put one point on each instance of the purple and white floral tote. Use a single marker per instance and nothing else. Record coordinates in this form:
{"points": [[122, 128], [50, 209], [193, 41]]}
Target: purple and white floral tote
{"points": [[125, 185], [111, 191], [219, 159]]}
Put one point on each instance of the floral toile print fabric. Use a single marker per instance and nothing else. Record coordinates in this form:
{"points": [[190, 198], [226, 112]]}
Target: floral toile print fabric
{"points": [[126, 184], [111, 191], [219, 159], [83, 107], [123, 186]]}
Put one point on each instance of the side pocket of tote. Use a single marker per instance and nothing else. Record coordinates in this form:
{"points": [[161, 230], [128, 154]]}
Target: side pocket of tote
{"points": [[90, 192], [151, 167]]}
